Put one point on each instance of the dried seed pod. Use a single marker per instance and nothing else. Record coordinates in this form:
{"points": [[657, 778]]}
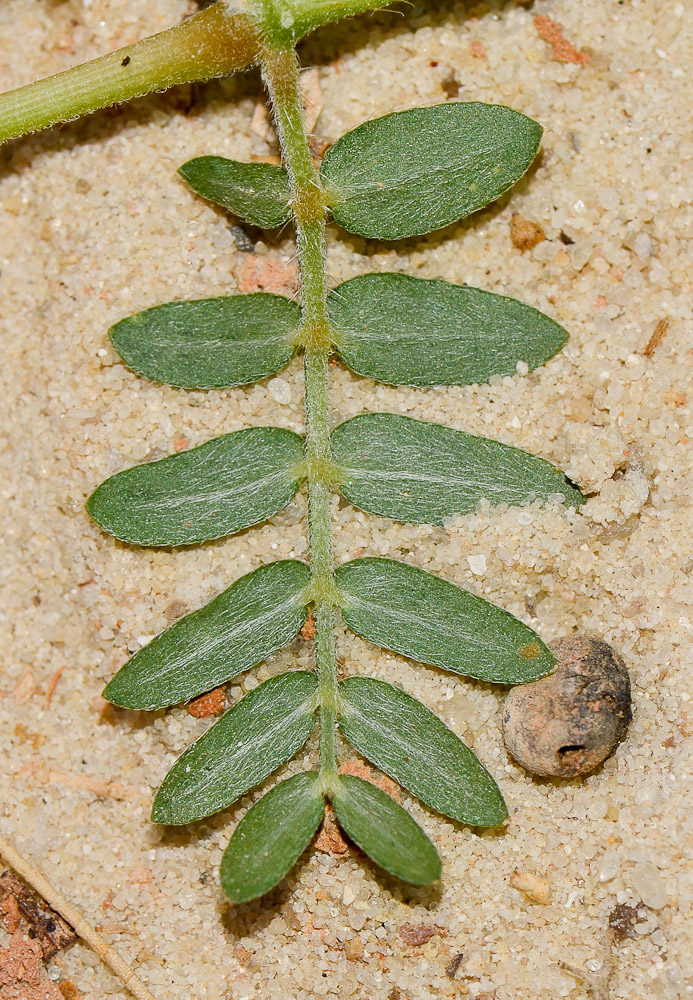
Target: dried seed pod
{"points": [[566, 724]]}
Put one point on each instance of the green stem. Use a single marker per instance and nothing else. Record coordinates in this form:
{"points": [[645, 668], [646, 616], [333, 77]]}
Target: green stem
{"points": [[216, 41], [281, 75]]}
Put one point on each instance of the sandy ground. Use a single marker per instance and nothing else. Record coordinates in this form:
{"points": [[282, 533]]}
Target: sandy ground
{"points": [[96, 225]]}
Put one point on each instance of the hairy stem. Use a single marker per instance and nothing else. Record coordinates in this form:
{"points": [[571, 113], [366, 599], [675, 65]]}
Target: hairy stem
{"points": [[214, 42], [38, 881], [281, 75]]}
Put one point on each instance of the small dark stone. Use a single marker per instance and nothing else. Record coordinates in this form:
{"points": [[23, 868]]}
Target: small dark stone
{"points": [[568, 723], [242, 239], [451, 87]]}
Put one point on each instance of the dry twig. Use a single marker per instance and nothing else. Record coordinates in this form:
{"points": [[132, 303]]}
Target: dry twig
{"points": [[656, 338], [38, 881]]}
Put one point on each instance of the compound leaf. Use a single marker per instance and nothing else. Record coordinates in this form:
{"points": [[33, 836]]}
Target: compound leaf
{"points": [[407, 741], [209, 343], [216, 489], [422, 472], [385, 831], [409, 331], [254, 738], [412, 612], [415, 171], [238, 629], [257, 193], [271, 837]]}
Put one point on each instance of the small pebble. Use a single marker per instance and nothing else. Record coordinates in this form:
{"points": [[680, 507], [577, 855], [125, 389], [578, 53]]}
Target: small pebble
{"points": [[610, 866], [525, 234], [536, 889], [477, 564], [280, 390], [568, 723], [649, 885], [242, 239]]}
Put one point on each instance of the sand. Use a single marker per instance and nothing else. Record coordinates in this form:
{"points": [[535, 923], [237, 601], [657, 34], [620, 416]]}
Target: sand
{"points": [[96, 225]]}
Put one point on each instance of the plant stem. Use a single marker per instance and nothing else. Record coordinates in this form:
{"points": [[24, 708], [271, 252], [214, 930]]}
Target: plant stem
{"points": [[281, 75], [214, 42], [38, 881]]}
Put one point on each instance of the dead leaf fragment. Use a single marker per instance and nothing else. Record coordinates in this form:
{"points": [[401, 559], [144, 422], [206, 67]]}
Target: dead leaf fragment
{"points": [[24, 910], [52, 685], [22, 975], [140, 875], [330, 839], [176, 609], [552, 32], [525, 234], [308, 630], [657, 337], [97, 786], [453, 965], [262, 275], [451, 86], [622, 920], [24, 688], [416, 934], [536, 889], [381, 781], [212, 703], [68, 990]]}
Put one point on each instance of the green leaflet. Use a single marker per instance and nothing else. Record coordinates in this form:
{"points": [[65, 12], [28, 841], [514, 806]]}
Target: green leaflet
{"points": [[415, 171], [271, 837], [254, 738], [238, 629], [385, 831], [409, 331], [209, 343], [424, 473], [221, 487], [412, 612], [407, 741], [257, 193]]}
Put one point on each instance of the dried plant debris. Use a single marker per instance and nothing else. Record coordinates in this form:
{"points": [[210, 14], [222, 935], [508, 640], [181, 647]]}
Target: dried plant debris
{"points": [[622, 920], [453, 965], [22, 974], [568, 723], [24, 910], [416, 935], [563, 51], [658, 335], [209, 704]]}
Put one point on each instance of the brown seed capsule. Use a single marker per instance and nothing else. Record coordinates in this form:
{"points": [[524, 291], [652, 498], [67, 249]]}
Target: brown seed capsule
{"points": [[566, 724]]}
